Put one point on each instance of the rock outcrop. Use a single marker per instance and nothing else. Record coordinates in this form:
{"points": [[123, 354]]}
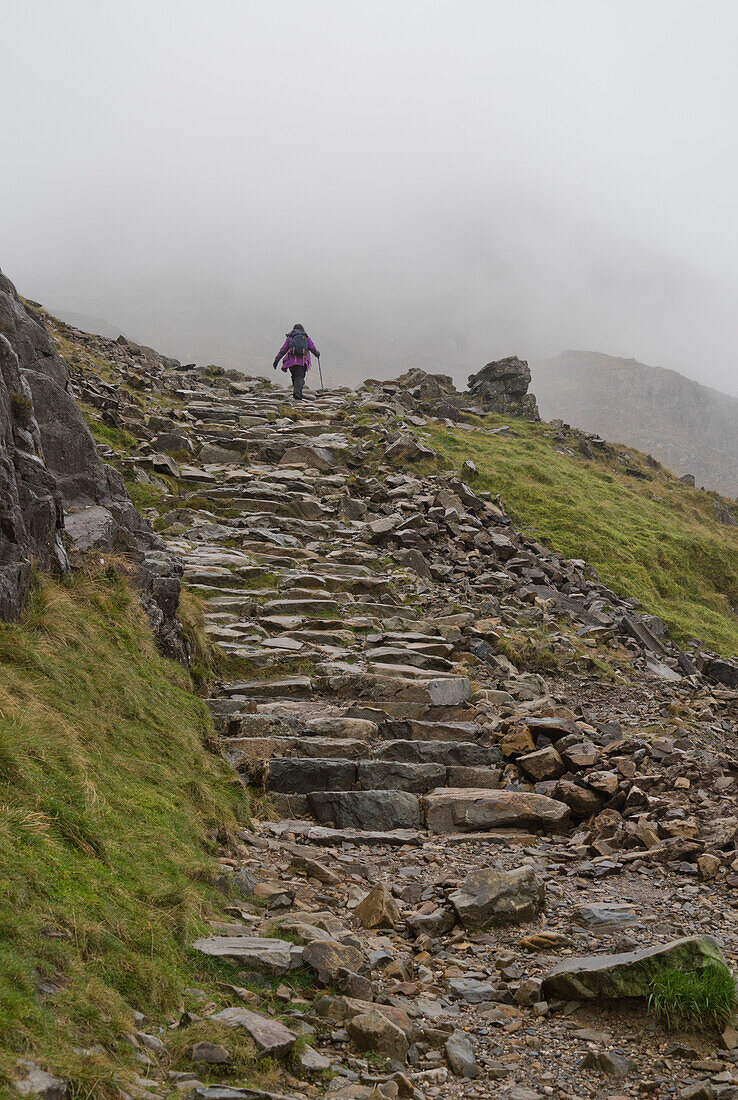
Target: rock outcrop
{"points": [[31, 513], [502, 387], [50, 468]]}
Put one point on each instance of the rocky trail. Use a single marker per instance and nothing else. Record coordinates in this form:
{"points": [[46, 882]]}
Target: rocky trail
{"points": [[476, 772]]}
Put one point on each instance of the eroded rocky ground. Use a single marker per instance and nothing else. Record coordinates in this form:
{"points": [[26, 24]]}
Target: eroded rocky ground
{"points": [[418, 693]]}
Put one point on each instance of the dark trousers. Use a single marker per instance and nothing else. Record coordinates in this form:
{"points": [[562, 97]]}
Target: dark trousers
{"points": [[298, 379]]}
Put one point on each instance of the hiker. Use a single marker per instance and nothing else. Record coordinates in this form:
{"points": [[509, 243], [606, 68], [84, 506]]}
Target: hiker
{"points": [[296, 354]]}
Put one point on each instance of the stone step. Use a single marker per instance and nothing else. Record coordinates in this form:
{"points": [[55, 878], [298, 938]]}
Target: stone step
{"points": [[475, 810], [387, 655], [366, 810], [417, 729], [465, 754], [434, 690], [243, 752], [303, 775], [293, 687], [307, 608]]}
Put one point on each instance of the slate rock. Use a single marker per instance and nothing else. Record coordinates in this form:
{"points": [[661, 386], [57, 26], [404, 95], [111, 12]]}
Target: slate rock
{"points": [[605, 1061], [628, 974], [36, 1082], [327, 957], [270, 1036], [378, 909], [268, 956], [460, 1055], [489, 897], [372, 1031], [450, 810], [211, 1053], [371, 810]]}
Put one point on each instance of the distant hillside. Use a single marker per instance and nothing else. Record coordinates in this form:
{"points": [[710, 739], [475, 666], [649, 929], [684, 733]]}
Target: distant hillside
{"points": [[690, 428]]}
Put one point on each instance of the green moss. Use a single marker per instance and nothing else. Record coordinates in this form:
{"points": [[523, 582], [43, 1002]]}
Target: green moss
{"points": [[657, 540], [705, 999], [110, 803], [117, 438], [21, 407]]}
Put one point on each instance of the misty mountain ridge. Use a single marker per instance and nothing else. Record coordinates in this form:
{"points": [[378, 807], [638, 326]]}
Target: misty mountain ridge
{"points": [[690, 428]]}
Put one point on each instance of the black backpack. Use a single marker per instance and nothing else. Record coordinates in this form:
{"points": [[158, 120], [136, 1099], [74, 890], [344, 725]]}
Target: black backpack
{"points": [[299, 344]]}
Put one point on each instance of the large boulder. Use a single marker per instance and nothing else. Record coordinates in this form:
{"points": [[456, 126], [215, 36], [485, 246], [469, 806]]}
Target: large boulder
{"points": [[629, 974], [502, 387]]}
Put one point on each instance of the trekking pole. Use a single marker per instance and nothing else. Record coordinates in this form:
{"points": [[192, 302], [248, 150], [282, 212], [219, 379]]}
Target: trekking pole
{"points": [[320, 372]]}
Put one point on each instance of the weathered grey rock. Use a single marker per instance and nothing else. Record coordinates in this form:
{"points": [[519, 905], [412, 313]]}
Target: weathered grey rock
{"points": [[372, 810], [435, 923], [300, 775], [91, 528], [544, 763], [373, 1031], [502, 387], [273, 957], [213, 1054], [490, 897], [606, 1061], [408, 448], [604, 915], [448, 810], [271, 1037], [49, 461], [327, 957], [460, 1055], [36, 1082], [629, 974], [388, 775], [31, 513], [473, 991]]}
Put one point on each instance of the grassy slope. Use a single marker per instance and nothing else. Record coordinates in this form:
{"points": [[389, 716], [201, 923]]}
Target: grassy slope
{"points": [[109, 802], [657, 540]]}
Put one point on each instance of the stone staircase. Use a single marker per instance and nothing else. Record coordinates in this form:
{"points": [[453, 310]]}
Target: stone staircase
{"points": [[356, 711]]}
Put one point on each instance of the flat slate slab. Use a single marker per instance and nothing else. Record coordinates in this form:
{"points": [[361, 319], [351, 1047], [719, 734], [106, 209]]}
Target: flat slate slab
{"points": [[270, 1036], [268, 956], [473, 809]]}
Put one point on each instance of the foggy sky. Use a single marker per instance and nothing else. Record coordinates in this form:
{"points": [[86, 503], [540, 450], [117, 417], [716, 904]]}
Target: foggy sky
{"points": [[419, 182]]}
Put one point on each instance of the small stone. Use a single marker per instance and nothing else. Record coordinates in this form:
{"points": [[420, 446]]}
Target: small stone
{"points": [[312, 1061], [271, 1037], [37, 1082], [491, 897], [373, 1031], [617, 1065], [378, 909], [212, 1053], [708, 865], [313, 869], [460, 1055], [729, 1038], [327, 957]]}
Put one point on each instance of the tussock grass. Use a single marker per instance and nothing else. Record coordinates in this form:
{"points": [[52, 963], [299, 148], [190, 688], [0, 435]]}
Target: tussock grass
{"points": [[657, 540], [110, 805], [245, 1061], [529, 654], [705, 999]]}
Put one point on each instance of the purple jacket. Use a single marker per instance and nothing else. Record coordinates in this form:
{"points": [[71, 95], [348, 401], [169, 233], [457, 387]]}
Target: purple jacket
{"points": [[295, 360]]}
